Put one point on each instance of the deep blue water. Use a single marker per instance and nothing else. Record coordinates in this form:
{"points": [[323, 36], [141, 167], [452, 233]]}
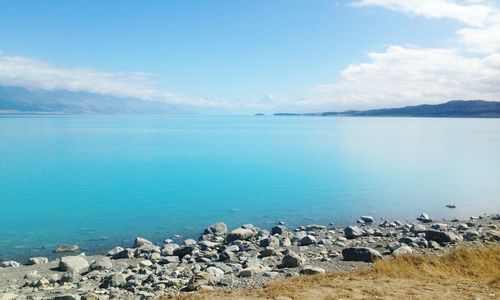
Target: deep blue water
{"points": [[99, 181]]}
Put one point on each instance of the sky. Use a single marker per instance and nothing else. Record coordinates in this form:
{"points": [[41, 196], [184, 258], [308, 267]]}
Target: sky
{"points": [[260, 55]]}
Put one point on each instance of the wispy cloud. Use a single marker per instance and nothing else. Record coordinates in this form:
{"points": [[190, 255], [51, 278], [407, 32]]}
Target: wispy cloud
{"points": [[35, 74], [473, 14]]}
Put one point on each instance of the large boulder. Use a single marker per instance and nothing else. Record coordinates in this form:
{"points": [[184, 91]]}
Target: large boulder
{"points": [[217, 229], [101, 263], [9, 263], [352, 232], [361, 254], [37, 260], [76, 264], [441, 237], [291, 260], [139, 241], [240, 234]]}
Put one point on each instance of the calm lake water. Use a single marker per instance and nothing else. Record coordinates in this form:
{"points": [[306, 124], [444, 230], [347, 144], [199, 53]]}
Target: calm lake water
{"points": [[99, 181]]}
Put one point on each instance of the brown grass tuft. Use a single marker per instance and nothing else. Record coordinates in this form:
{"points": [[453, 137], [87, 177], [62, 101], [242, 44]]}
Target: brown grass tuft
{"points": [[472, 262]]}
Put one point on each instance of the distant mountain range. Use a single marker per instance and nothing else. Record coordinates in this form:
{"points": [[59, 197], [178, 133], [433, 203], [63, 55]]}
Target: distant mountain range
{"points": [[450, 109], [17, 100]]}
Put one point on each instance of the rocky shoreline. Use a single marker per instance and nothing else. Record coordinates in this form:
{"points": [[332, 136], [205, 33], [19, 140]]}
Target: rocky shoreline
{"points": [[244, 257]]}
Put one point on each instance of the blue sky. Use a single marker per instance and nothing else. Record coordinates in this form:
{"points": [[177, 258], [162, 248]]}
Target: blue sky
{"points": [[256, 55]]}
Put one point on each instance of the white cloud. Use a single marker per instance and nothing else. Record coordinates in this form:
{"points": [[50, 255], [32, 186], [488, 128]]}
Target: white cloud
{"points": [[30, 73], [482, 40], [404, 75], [474, 14]]}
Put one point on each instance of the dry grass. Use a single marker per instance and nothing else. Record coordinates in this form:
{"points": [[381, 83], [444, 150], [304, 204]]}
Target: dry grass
{"points": [[465, 273], [473, 262]]}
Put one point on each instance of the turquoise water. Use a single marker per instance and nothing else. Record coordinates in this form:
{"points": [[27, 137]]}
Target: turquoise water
{"points": [[99, 181]]}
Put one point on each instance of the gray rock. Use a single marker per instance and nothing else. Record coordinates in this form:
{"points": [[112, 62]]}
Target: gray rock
{"points": [[190, 242], [314, 227], [9, 264], [66, 248], [204, 245], [367, 219], [352, 232], [70, 276], [424, 218], [76, 264], [441, 236], [409, 240], [240, 234], [492, 235], [114, 251], [439, 226], [271, 241], [252, 261], [433, 245], [250, 271], [403, 250], [247, 226], [361, 254], [217, 229], [269, 251], [308, 240], [67, 297], [462, 226], [8, 296], [146, 250], [279, 229], [215, 272], [471, 235], [168, 249], [101, 263], [170, 260], [233, 248], [139, 241], [285, 242], [114, 280], [310, 270], [227, 255], [417, 228], [183, 251], [125, 253], [270, 274], [291, 260], [37, 260]]}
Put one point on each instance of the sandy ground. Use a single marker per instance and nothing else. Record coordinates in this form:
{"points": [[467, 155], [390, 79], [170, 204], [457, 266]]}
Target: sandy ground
{"points": [[371, 288]]}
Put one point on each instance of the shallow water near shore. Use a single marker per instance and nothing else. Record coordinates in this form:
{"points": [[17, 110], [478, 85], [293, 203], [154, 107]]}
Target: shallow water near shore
{"points": [[99, 181]]}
